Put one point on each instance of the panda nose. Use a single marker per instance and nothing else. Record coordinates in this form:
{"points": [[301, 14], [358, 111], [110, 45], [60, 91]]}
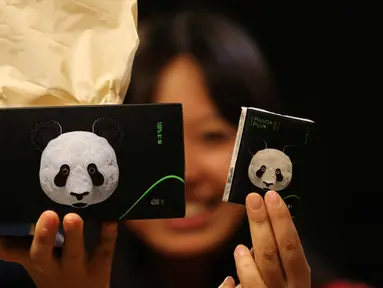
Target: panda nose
{"points": [[268, 184], [79, 196]]}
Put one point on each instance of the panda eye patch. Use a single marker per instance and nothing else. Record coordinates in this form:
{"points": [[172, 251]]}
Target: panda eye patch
{"points": [[261, 171], [279, 175], [95, 175], [62, 176]]}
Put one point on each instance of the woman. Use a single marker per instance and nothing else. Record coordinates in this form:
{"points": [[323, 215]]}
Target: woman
{"points": [[211, 67]]}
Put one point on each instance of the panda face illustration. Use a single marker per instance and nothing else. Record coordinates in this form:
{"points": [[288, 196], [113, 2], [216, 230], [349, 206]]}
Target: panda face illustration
{"points": [[270, 169], [77, 168]]}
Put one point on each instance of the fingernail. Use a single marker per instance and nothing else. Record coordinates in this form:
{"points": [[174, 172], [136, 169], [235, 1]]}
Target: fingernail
{"points": [[255, 201], [49, 222], [228, 281], [71, 218], [72, 222], [272, 198], [241, 250]]}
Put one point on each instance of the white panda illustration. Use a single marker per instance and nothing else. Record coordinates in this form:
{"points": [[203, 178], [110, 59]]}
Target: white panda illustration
{"points": [[77, 168], [270, 169]]}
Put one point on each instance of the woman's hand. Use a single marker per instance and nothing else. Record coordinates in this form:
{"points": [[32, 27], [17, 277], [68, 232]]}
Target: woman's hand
{"points": [[279, 260], [74, 269]]}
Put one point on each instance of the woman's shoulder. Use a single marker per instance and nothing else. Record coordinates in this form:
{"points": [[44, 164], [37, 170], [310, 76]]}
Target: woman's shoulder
{"points": [[14, 275]]}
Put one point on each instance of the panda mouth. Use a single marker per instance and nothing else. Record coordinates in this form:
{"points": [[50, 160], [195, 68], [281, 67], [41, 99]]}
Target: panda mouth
{"points": [[79, 205]]}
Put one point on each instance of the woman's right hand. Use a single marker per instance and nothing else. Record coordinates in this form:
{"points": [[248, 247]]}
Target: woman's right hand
{"points": [[74, 269]]}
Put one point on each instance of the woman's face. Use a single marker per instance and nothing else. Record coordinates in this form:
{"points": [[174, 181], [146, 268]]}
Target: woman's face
{"points": [[209, 142]]}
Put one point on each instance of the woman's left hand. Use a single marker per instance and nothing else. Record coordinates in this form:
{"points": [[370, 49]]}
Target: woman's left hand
{"points": [[279, 260]]}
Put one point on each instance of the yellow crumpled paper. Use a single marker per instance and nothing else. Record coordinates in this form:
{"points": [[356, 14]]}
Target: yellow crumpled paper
{"points": [[66, 52]]}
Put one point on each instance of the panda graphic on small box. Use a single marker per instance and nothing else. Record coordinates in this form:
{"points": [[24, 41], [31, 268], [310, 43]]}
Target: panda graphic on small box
{"points": [[270, 169], [78, 168], [269, 154]]}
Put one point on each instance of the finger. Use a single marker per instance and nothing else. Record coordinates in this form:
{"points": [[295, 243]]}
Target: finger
{"points": [[41, 252], [292, 256], [101, 261], [248, 273], [10, 253], [264, 244], [228, 283], [73, 254]]}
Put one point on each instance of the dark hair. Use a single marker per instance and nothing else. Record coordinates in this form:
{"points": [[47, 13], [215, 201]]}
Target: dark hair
{"points": [[233, 66]]}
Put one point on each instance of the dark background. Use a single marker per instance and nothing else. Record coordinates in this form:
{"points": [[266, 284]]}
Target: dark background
{"points": [[340, 224]]}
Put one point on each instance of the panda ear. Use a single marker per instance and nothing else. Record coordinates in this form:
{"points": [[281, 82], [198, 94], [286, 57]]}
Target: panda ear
{"points": [[293, 151], [110, 129], [43, 132], [257, 146]]}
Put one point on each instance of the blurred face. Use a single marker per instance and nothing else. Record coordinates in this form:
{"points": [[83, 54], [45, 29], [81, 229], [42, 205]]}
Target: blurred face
{"points": [[209, 141]]}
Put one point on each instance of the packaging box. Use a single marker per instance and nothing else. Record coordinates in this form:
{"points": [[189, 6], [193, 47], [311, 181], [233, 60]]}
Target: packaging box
{"points": [[16, 229], [103, 162], [269, 154]]}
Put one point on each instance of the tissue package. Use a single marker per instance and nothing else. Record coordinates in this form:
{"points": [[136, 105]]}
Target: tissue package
{"points": [[103, 162], [64, 52], [269, 154]]}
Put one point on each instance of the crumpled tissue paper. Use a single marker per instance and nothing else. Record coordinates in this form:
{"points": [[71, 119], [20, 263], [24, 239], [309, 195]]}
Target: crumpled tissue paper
{"points": [[66, 52]]}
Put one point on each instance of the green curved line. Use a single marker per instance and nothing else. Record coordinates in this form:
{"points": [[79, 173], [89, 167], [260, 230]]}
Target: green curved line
{"points": [[151, 188], [290, 196]]}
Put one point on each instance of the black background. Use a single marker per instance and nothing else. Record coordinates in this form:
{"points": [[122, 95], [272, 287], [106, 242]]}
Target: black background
{"points": [[323, 56], [137, 155]]}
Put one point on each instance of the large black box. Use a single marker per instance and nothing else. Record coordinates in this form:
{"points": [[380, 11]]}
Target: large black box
{"points": [[103, 162]]}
